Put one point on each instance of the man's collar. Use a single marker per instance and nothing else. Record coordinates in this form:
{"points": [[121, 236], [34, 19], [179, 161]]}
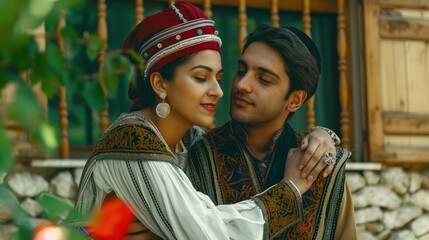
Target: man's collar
{"points": [[241, 134]]}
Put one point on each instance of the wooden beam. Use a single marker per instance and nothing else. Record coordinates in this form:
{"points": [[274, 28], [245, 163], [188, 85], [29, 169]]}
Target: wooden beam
{"points": [[405, 124], [364, 166], [395, 155], [398, 27], [373, 84], [414, 4], [325, 6]]}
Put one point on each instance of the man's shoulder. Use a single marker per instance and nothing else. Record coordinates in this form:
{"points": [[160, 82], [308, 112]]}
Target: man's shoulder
{"points": [[215, 137]]}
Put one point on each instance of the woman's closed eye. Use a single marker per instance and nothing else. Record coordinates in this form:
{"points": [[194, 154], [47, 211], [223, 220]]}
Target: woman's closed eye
{"points": [[201, 78]]}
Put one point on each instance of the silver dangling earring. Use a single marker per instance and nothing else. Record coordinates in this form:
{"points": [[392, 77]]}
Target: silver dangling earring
{"points": [[163, 108]]}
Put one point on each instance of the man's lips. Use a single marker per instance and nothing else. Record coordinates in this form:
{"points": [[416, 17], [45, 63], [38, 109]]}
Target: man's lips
{"points": [[209, 107], [240, 101]]}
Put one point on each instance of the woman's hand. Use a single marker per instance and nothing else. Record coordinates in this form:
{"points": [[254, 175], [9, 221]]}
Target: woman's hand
{"points": [[316, 145], [292, 172]]}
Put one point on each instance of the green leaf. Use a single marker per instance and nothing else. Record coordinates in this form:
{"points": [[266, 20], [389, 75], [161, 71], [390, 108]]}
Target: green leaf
{"points": [[6, 157], [69, 33], [74, 217], [4, 77], [67, 82], [123, 64], [55, 208], [111, 82], [72, 3], [55, 58], [40, 70], [40, 8], [21, 219], [94, 95], [94, 45], [71, 48], [25, 231], [110, 79], [26, 109], [9, 16], [19, 45], [45, 134], [50, 84], [135, 57], [109, 63], [20, 216], [7, 197]]}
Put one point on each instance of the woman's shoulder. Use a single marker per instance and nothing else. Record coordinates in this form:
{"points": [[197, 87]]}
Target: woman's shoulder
{"points": [[131, 136], [194, 134]]}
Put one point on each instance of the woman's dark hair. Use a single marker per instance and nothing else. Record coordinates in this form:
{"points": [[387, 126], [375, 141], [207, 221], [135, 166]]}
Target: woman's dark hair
{"points": [[302, 64], [168, 72]]}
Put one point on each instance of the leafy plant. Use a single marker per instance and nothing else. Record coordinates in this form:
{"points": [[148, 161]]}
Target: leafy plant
{"points": [[24, 66]]}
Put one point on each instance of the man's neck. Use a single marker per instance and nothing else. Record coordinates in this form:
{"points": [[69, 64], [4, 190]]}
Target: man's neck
{"points": [[259, 139]]}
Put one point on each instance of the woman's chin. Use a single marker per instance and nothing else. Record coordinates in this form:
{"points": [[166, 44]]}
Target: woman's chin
{"points": [[207, 123]]}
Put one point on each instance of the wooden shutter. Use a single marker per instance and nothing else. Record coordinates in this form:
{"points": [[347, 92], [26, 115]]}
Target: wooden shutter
{"points": [[397, 80]]}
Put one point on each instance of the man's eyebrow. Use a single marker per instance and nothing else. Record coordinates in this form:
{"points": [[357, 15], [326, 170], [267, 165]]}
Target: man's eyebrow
{"points": [[266, 70], [261, 69]]}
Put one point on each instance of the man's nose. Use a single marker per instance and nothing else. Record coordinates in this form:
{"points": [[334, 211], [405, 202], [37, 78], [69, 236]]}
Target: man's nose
{"points": [[244, 83]]}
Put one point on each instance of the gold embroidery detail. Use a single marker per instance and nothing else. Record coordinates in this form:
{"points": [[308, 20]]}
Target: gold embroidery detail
{"points": [[281, 207], [131, 139]]}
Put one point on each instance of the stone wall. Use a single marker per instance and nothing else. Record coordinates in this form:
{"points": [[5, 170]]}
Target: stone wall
{"points": [[26, 186], [391, 204]]}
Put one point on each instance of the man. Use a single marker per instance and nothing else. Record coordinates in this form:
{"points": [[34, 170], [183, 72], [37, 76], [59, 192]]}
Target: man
{"points": [[277, 72]]}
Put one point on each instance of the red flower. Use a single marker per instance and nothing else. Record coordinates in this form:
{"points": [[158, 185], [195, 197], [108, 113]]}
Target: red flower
{"points": [[112, 221]]}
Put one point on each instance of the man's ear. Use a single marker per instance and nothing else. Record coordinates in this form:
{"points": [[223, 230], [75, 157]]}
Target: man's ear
{"points": [[296, 99], [158, 83]]}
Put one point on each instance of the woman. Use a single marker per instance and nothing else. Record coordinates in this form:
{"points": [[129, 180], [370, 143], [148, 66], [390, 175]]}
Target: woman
{"points": [[141, 156]]}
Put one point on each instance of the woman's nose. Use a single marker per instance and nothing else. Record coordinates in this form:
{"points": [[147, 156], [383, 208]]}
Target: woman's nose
{"points": [[216, 90]]}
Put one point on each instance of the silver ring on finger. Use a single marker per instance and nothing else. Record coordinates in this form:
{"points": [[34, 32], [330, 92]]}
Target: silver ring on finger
{"points": [[328, 158]]}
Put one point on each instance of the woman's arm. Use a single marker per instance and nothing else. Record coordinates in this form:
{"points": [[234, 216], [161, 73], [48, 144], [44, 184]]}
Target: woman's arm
{"points": [[165, 201]]}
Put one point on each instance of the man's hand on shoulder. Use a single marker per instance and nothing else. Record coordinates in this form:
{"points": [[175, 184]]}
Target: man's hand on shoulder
{"points": [[319, 149]]}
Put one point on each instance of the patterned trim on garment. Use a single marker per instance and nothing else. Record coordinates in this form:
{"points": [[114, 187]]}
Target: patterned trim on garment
{"points": [[334, 189], [155, 200], [94, 192], [322, 204], [236, 177], [299, 136], [202, 171], [138, 189], [129, 142], [282, 207]]}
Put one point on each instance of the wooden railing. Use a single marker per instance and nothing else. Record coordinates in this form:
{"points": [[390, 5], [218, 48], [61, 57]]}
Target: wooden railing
{"points": [[242, 31]]}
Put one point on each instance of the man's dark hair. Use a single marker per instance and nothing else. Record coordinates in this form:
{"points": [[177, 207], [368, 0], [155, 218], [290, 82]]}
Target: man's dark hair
{"points": [[300, 55]]}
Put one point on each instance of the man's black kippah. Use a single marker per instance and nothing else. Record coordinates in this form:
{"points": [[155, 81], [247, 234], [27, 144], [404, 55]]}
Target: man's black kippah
{"points": [[311, 46]]}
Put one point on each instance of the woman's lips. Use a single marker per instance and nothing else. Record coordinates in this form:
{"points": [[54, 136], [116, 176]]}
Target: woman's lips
{"points": [[211, 107]]}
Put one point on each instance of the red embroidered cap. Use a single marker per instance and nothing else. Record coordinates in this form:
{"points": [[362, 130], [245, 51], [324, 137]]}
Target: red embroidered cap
{"points": [[164, 36]]}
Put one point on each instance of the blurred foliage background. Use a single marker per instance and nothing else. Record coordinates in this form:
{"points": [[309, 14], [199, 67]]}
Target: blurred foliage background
{"points": [[24, 65]]}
